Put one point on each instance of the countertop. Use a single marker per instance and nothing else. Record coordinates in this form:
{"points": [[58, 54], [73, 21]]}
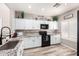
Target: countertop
{"points": [[11, 52], [38, 35]]}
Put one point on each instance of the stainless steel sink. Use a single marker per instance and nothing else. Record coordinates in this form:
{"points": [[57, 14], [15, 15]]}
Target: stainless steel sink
{"points": [[9, 45]]}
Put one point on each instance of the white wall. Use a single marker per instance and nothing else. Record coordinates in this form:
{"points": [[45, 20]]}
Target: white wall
{"points": [[33, 16], [5, 15], [70, 40], [74, 18], [29, 16], [12, 21]]}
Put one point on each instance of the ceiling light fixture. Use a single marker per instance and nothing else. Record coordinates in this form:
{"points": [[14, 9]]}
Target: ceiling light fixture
{"points": [[29, 7]]}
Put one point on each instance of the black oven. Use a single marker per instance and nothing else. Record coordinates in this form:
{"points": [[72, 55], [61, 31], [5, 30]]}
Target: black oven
{"points": [[44, 26]]}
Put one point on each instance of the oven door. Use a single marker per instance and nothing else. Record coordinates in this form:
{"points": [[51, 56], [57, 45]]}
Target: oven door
{"points": [[45, 40]]}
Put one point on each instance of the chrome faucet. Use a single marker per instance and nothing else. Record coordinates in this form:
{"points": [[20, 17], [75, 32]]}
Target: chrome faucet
{"points": [[2, 33]]}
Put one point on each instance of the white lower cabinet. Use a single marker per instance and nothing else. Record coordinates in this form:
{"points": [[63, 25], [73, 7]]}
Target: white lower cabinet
{"points": [[30, 42], [55, 39], [52, 40], [37, 41]]}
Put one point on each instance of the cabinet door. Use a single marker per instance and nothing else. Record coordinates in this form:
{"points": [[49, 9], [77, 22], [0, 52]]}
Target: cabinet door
{"points": [[32, 24], [55, 25], [28, 43], [32, 42], [52, 40], [57, 39], [20, 24], [51, 25], [37, 24], [37, 41], [29, 24]]}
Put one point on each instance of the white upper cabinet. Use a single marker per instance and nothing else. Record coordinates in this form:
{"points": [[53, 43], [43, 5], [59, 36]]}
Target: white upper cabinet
{"points": [[20, 24], [51, 25], [34, 24], [55, 25], [29, 24]]}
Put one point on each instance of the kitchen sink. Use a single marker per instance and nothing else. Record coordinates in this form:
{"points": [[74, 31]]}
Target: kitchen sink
{"points": [[9, 45]]}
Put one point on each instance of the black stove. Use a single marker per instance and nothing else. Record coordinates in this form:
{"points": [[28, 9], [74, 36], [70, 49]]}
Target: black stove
{"points": [[45, 38]]}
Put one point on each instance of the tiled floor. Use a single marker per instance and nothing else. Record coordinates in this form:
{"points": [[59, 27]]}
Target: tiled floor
{"points": [[54, 50]]}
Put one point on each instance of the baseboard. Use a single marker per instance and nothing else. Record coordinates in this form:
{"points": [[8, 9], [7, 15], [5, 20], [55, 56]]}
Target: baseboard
{"points": [[68, 47]]}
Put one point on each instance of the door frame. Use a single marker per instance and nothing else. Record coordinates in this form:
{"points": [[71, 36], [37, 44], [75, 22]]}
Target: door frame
{"points": [[78, 33]]}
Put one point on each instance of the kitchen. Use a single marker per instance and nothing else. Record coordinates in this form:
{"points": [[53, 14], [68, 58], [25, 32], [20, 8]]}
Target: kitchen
{"points": [[35, 31]]}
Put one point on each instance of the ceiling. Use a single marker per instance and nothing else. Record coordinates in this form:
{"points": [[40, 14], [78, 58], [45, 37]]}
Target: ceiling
{"points": [[44, 9]]}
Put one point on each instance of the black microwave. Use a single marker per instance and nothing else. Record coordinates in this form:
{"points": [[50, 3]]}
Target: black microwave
{"points": [[44, 26]]}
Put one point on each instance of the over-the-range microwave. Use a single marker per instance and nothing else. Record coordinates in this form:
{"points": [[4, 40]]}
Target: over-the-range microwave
{"points": [[44, 26]]}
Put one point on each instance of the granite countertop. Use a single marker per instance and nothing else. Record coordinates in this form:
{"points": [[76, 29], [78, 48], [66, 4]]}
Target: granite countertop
{"points": [[11, 52], [26, 36]]}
